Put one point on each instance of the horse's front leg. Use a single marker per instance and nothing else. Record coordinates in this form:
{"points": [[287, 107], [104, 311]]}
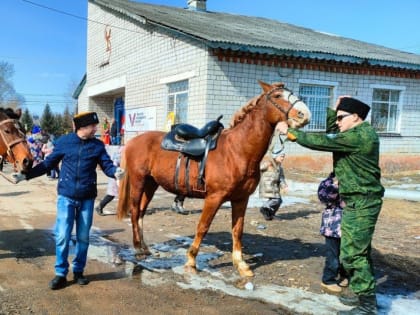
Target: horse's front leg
{"points": [[211, 205], [238, 216]]}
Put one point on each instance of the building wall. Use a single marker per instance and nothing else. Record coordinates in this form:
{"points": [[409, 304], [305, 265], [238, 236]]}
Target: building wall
{"points": [[143, 60], [231, 85], [146, 61]]}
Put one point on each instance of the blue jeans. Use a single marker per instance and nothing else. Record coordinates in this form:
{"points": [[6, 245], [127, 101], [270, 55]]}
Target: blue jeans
{"points": [[68, 211]]}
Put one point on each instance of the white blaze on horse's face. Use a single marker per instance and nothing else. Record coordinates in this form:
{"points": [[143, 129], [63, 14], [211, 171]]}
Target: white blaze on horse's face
{"points": [[299, 115]]}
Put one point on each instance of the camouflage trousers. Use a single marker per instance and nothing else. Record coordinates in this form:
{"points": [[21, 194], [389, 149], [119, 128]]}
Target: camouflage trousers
{"points": [[357, 226]]}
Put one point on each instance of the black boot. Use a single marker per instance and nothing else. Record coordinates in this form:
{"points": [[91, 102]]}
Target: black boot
{"points": [[80, 279], [58, 283], [99, 211], [367, 306], [267, 213], [349, 299], [178, 206]]}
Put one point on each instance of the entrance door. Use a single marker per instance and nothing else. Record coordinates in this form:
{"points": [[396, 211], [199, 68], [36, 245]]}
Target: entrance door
{"points": [[119, 114]]}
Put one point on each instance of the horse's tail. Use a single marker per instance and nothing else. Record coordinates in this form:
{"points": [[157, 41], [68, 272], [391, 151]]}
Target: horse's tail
{"points": [[124, 192]]}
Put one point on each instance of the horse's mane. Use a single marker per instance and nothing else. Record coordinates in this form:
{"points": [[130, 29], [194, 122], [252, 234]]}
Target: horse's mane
{"points": [[9, 112], [243, 111]]}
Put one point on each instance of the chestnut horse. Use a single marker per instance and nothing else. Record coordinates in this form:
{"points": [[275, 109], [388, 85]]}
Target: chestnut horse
{"points": [[232, 171], [13, 145]]}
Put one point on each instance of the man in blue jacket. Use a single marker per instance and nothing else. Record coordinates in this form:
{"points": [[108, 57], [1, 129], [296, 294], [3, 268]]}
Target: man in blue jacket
{"points": [[79, 153]]}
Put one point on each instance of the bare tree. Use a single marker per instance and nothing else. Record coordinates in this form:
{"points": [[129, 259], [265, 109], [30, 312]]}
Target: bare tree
{"points": [[8, 96]]}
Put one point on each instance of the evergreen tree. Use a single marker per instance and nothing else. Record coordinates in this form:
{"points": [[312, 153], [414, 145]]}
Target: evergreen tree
{"points": [[48, 124], [27, 120], [58, 125], [67, 122]]}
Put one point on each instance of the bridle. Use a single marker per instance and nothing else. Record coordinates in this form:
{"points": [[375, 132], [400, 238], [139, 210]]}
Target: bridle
{"points": [[292, 104], [11, 143], [286, 112]]}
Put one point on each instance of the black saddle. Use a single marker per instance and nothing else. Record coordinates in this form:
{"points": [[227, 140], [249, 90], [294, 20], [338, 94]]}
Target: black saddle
{"points": [[192, 143], [190, 140], [187, 132]]}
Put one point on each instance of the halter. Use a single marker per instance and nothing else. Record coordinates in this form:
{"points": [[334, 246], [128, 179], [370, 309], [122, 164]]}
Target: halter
{"points": [[286, 112], [12, 143]]}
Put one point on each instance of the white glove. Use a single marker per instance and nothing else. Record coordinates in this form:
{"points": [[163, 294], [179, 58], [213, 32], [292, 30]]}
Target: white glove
{"points": [[18, 177], [119, 173]]}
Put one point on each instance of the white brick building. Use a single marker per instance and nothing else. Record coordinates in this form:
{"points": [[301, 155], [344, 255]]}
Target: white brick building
{"points": [[147, 61]]}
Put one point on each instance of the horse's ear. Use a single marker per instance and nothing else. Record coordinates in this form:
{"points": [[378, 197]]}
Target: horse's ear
{"points": [[265, 86], [18, 112]]}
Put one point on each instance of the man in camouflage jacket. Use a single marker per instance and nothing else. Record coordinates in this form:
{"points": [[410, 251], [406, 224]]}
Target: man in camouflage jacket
{"points": [[355, 147]]}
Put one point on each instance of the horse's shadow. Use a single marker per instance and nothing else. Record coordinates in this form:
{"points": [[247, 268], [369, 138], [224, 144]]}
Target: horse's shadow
{"points": [[26, 244], [396, 274], [260, 250]]}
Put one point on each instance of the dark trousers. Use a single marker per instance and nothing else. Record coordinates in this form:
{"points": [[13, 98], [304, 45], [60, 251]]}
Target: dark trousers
{"points": [[273, 204], [105, 200], [332, 267]]}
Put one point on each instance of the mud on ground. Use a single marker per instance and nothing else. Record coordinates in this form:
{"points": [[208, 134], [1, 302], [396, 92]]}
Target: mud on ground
{"points": [[287, 251]]}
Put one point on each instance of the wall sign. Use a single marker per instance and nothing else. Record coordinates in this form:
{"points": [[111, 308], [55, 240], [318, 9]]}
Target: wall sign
{"points": [[140, 119]]}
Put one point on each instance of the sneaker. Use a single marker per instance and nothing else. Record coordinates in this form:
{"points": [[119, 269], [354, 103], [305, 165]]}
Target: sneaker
{"points": [[80, 279], [343, 282], [99, 211], [331, 288], [57, 283], [267, 213]]}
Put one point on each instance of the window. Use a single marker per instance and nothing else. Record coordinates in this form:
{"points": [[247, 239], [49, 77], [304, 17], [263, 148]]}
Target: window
{"points": [[318, 98], [385, 110], [178, 101]]}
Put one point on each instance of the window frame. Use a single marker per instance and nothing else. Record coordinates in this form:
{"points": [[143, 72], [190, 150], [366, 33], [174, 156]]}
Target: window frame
{"points": [[401, 90], [324, 84], [176, 95]]}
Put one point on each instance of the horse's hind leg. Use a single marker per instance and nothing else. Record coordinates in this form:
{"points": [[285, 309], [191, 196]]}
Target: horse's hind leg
{"points": [[209, 211], [141, 197], [238, 216]]}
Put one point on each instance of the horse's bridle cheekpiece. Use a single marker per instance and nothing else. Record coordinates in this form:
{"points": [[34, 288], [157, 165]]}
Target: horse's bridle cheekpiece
{"points": [[286, 112]]}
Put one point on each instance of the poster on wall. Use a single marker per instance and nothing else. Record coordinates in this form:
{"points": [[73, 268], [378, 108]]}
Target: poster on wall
{"points": [[140, 119]]}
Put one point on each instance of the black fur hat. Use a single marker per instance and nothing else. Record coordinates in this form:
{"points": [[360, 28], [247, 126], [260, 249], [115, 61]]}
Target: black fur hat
{"points": [[85, 119], [354, 106]]}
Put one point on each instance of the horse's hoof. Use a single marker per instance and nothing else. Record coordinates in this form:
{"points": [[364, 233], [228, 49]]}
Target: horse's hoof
{"points": [[140, 256], [190, 269]]}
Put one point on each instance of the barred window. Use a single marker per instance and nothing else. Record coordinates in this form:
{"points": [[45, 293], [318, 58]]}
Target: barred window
{"points": [[318, 98], [178, 101], [385, 110]]}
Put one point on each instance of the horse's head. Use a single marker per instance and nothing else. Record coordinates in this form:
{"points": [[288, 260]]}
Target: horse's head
{"points": [[290, 107], [13, 143]]}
